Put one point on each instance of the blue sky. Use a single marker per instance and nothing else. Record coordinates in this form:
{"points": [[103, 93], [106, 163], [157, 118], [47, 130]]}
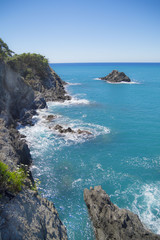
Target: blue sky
{"points": [[83, 31]]}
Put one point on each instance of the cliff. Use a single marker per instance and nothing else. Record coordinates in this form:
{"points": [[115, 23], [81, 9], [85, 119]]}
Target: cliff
{"points": [[24, 214], [111, 222]]}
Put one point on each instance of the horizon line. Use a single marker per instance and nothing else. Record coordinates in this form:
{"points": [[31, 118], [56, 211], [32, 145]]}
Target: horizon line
{"points": [[96, 62]]}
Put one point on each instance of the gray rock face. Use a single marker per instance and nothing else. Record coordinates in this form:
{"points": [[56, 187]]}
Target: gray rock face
{"points": [[15, 95], [111, 222], [116, 77], [30, 217], [25, 216]]}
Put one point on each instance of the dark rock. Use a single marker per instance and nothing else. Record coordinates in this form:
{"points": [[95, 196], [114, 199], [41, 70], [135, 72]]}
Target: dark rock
{"points": [[63, 130], [70, 130], [83, 132], [111, 222], [39, 102], [51, 117], [116, 77]]}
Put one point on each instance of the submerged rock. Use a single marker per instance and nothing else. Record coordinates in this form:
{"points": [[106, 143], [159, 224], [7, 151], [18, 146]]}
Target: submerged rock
{"points": [[111, 222], [116, 77]]}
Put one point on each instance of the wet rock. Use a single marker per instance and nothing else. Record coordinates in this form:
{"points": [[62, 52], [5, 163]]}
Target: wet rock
{"points": [[111, 222], [51, 117], [70, 130], [116, 77], [83, 132], [63, 130]]}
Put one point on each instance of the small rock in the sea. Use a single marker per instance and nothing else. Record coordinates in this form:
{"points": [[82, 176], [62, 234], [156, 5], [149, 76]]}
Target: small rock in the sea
{"points": [[83, 132], [50, 117], [116, 77]]}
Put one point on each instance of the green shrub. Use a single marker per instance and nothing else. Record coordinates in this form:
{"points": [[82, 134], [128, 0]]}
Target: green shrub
{"points": [[11, 180], [28, 63], [5, 52]]}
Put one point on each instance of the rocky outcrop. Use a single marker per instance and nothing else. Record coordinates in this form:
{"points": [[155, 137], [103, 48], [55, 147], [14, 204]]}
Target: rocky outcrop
{"points": [[62, 130], [25, 215], [111, 222], [116, 77], [19, 95], [15, 95]]}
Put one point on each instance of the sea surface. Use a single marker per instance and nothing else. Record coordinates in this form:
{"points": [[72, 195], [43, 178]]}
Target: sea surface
{"points": [[122, 154]]}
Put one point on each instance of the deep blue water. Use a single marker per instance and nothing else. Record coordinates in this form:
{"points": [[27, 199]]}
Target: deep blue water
{"points": [[122, 155]]}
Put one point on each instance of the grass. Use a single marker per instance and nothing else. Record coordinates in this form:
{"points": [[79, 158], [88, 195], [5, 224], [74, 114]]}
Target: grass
{"points": [[11, 180]]}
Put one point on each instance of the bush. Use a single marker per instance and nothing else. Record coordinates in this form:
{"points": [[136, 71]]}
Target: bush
{"points": [[11, 181], [28, 63], [5, 52]]}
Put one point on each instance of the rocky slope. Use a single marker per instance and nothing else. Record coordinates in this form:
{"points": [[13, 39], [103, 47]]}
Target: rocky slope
{"points": [[25, 215], [111, 222], [116, 77]]}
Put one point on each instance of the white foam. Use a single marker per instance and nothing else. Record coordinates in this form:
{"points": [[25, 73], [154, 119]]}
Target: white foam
{"points": [[147, 206], [97, 79], [43, 135], [73, 84], [123, 82], [73, 101]]}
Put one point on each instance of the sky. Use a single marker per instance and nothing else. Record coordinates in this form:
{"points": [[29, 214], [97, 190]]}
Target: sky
{"points": [[83, 30]]}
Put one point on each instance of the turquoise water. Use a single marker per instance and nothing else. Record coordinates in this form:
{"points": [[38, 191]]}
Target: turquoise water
{"points": [[122, 154]]}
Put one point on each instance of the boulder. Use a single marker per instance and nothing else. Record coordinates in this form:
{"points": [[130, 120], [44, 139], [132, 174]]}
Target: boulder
{"points": [[111, 222], [51, 117], [116, 77]]}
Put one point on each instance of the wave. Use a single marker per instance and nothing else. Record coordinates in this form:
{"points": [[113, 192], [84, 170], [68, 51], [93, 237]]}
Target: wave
{"points": [[146, 204], [73, 84], [97, 79], [73, 101], [123, 82], [43, 135]]}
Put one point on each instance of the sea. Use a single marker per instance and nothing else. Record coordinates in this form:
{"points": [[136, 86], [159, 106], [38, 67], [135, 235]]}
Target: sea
{"points": [[122, 153]]}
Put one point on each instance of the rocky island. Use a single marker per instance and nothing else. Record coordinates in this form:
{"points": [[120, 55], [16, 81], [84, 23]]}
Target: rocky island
{"points": [[116, 77], [26, 83], [111, 222]]}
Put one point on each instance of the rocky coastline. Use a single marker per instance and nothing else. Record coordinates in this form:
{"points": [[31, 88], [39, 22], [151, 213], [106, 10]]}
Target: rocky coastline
{"points": [[116, 77], [25, 215], [111, 222]]}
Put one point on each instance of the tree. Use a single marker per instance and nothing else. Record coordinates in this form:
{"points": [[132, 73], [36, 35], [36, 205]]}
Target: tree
{"points": [[5, 52]]}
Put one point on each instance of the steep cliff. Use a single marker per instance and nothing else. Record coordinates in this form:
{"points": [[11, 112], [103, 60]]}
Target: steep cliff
{"points": [[24, 214]]}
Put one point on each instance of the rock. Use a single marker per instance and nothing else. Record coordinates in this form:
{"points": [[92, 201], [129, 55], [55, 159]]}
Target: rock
{"points": [[28, 216], [51, 117], [111, 222], [70, 130], [25, 215], [83, 132], [63, 130], [39, 102], [116, 77]]}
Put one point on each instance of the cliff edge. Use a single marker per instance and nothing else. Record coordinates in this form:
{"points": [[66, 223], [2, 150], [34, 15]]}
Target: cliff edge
{"points": [[26, 83], [111, 222]]}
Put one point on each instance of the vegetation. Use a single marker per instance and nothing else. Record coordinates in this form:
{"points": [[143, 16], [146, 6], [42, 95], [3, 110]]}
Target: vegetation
{"points": [[29, 65], [11, 180], [5, 52]]}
